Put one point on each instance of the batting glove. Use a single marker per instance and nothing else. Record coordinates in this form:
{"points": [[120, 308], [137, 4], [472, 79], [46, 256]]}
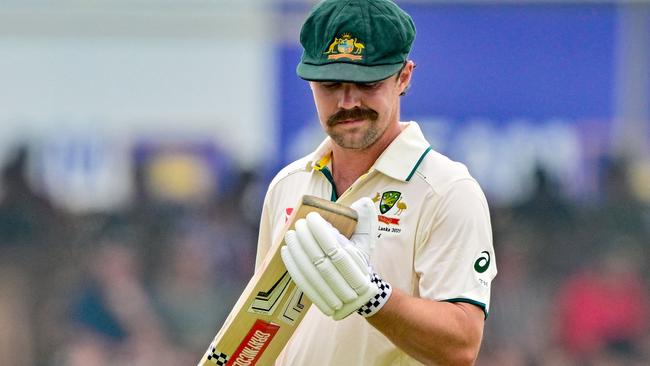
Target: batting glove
{"points": [[333, 271]]}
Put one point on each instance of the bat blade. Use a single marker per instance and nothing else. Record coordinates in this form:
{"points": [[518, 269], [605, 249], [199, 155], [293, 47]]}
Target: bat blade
{"points": [[271, 306]]}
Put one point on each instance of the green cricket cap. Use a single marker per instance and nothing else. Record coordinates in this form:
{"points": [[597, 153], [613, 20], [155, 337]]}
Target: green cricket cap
{"points": [[360, 41]]}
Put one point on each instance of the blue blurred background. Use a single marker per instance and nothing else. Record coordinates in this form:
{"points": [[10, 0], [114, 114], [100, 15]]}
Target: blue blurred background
{"points": [[137, 139]]}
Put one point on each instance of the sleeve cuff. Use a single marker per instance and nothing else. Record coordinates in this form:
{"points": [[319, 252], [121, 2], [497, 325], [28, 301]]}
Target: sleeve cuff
{"points": [[470, 301]]}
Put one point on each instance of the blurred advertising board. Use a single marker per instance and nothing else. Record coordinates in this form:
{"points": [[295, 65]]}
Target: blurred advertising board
{"points": [[505, 88]]}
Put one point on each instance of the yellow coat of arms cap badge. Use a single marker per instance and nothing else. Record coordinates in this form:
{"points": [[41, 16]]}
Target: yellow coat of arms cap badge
{"points": [[345, 47]]}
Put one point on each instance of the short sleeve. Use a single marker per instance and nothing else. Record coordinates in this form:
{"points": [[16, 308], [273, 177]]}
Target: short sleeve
{"points": [[454, 258]]}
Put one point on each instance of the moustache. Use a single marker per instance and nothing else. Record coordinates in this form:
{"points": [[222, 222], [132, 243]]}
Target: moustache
{"points": [[352, 114]]}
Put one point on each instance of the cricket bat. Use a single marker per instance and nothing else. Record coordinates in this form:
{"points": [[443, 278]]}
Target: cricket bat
{"points": [[271, 306]]}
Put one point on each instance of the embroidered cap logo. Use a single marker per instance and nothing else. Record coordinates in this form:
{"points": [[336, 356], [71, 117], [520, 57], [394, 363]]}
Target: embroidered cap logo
{"points": [[345, 47]]}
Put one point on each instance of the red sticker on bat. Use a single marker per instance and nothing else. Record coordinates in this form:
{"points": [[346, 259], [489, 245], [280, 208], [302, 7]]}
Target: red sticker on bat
{"points": [[288, 212], [251, 348]]}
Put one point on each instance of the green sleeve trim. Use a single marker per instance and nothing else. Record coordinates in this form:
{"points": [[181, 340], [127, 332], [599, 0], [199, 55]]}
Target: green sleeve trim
{"points": [[326, 172], [470, 301], [418, 163]]}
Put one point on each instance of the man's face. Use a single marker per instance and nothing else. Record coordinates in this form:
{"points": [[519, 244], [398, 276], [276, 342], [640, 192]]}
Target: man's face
{"points": [[356, 115]]}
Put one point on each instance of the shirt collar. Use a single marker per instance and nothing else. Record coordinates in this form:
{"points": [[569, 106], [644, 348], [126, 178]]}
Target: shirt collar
{"points": [[399, 161], [402, 157], [322, 156]]}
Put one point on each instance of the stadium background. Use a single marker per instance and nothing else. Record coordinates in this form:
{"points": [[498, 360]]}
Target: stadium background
{"points": [[137, 138]]}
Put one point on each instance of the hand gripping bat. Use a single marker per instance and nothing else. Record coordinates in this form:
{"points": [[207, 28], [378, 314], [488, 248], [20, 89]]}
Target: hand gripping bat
{"points": [[271, 306]]}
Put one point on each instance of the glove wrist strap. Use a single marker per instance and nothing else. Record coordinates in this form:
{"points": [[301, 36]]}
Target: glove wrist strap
{"points": [[377, 302]]}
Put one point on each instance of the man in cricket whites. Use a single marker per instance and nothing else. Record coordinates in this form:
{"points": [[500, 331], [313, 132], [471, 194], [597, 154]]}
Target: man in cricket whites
{"points": [[412, 285]]}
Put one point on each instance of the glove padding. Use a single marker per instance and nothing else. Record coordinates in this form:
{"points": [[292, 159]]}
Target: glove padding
{"points": [[335, 272]]}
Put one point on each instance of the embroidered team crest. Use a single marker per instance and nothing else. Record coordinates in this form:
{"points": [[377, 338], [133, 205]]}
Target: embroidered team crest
{"points": [[388, 200], [391, 206], [345, 47], [391, 203]]}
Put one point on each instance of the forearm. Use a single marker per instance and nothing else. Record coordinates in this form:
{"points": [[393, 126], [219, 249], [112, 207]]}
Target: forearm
{"points": [[432, 332]]}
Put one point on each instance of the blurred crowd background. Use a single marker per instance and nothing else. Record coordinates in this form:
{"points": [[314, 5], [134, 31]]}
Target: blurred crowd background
{"points": [[137, 139]]}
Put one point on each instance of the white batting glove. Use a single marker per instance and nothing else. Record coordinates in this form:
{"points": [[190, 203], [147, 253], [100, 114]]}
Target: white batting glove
{"points": [[335, 272]]}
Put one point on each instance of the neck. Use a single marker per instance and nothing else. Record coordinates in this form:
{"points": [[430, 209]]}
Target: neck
{"points": [[349, 164]]}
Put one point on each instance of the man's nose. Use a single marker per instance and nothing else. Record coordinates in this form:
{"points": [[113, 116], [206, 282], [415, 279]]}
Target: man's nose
{"points": [[350, 97]]}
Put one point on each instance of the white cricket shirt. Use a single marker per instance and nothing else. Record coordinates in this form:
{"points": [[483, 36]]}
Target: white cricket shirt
{"points": [[435, 241]]}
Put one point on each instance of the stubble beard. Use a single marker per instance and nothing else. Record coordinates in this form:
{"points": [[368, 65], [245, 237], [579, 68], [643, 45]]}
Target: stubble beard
{"points": [[359, 138]]}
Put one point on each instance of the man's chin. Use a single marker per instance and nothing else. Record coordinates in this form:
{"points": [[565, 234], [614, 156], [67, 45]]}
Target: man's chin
{"points": [[347, 142]]}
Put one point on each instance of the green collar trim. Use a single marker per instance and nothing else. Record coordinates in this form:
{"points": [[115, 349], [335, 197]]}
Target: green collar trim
{"points": [[326, 172], [418, 163]]}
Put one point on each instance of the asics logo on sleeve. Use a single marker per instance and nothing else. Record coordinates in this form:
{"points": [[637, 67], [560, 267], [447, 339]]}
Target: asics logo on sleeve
{"points": [[483, 262]]}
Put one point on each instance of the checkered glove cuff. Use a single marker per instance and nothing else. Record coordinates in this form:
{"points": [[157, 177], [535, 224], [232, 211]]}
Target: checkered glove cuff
{"points": [[378, 301]]}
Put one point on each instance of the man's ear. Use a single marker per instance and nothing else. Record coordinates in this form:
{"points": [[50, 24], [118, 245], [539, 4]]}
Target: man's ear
{"points": [[405, 76]]}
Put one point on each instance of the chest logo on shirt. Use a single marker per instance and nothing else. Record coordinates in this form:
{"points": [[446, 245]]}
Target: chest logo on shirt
{"points": [[391, 205], [388, 200]]}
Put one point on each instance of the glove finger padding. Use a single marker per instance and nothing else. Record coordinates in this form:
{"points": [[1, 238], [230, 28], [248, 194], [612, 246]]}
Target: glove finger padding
{"points": [[309, 271], [302, 282], [308, 243], [332, 243], [350, 271], [359, 259], [311, 244]]}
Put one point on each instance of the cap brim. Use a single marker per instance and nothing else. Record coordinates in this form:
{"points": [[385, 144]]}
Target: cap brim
{"points": [[346, 72]]}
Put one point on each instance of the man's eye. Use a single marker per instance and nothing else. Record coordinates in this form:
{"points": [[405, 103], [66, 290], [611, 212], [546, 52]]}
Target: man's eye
{"points": [[331, 85], [368, 85]]}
